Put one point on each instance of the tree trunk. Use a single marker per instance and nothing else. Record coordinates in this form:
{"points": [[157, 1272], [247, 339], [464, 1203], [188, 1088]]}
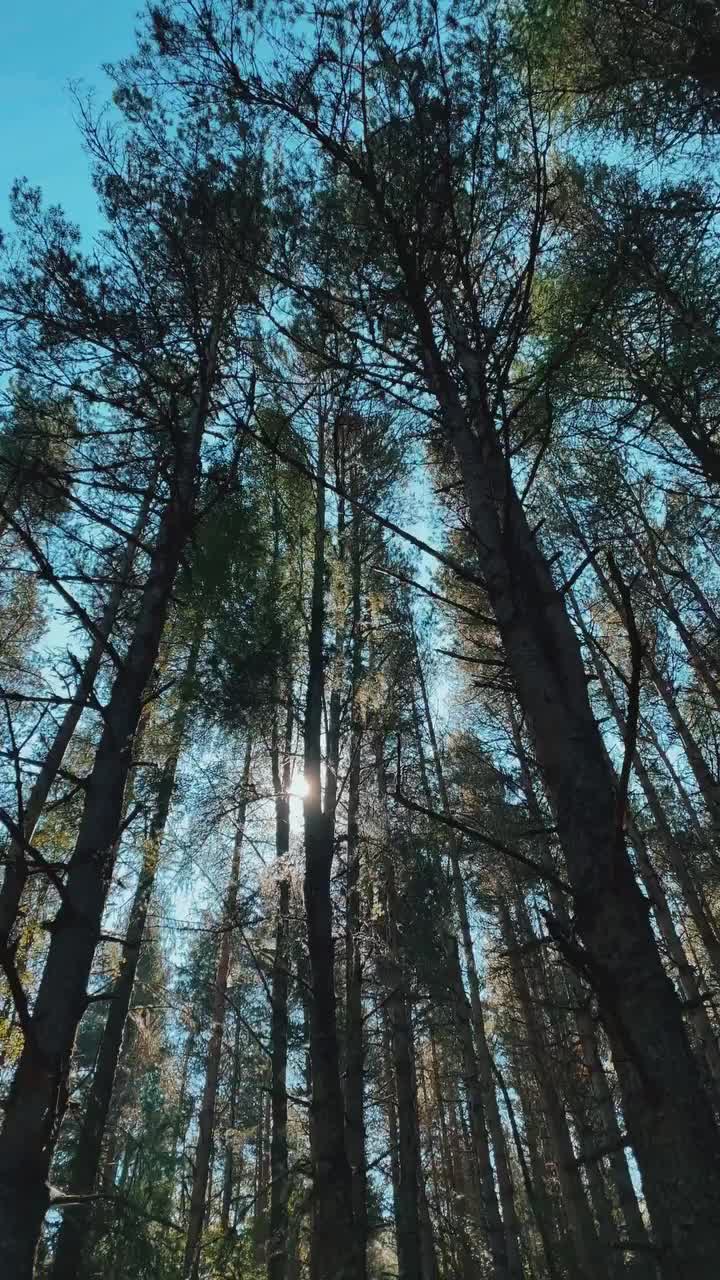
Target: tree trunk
{"points": [[534, 1188], [669, 1117], [38, 1093], [206, 1119], [354, 1025], [590, 1264], [708, 785], [490, 1212], [435, 1177], [16, 870], [686, 977], [278, 1227], [86, 1163], [627, 1198], [333, 1252], [482, 1051], [229, 1170], [428, 1255], [407, 1222], [704, 924]]}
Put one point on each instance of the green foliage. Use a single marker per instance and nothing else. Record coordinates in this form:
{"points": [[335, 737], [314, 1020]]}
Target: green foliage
{"points": [[36, 435], [646, 69]]}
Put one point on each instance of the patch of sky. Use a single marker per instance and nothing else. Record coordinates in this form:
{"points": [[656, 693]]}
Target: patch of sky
{"points": [[46, 47]]}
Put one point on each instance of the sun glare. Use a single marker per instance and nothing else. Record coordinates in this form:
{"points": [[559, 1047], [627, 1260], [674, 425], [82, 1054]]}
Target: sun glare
{"points": [[299, 788]]}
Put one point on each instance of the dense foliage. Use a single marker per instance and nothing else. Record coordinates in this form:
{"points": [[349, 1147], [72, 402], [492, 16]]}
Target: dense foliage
{"points": [[359, 658]]}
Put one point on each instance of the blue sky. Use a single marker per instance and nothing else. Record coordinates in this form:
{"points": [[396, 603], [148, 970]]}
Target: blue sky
{"points": [[45, 45]]}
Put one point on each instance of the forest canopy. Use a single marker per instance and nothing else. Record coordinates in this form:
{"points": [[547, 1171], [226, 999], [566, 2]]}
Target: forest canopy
{"points": [[360, 653]]}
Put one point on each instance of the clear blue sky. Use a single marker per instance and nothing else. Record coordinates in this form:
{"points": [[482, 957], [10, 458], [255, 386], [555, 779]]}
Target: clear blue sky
{"points": [[45, 44]]}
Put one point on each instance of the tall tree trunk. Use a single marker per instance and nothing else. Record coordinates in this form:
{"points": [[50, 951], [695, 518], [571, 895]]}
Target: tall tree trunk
{"points": [[16, 869], [412, 1244], [534, 1188], [590, 1264], [263, 1202], [668, 1115], [438, 1185], [482, 1051], [627, 1198], [612, 1136], [38, 1094], [428, 1255], [686, 976], [490, 1213], [278, 1226], [180, 1130], [86, 1163], [229, 1170], [354, 1023], [407, 1221], [333, 1251], [206, 1119], [448, 1168]]}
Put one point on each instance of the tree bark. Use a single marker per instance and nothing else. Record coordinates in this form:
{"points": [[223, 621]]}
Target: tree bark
{"points": [[704, 924], [668, 1115], [482, 1051], [38, 1094], [590, 1263], [16, 870], [489, 1211], [441, 1225], [354, 1025], [86, 1163], [612, 1136], [534, 1188], [407, 1221], [278, 1227], [333, 1249], [229, 1170]]}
